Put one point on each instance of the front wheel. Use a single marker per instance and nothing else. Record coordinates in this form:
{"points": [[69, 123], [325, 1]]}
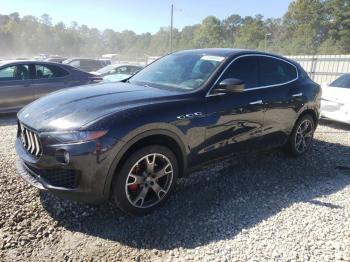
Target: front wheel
{"points": [[145, 180], [302, 136]]}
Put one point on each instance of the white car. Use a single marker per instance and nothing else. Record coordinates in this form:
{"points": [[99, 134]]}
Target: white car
{"points": [[117, 69], [336, 99]]}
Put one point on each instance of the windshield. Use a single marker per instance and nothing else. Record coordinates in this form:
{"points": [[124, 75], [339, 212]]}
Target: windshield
{"points": [[105, 70], [343, 81], [179, 71]]}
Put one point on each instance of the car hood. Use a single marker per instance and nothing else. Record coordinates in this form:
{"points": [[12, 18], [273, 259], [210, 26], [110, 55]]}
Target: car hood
{"points": [[73, 108]]}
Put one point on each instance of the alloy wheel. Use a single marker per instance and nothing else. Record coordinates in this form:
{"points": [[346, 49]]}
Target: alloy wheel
{"points": [[304, 136], [149, 180]]}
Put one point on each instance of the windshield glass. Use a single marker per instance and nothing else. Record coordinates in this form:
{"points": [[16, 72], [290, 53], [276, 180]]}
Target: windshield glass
{"points": [[343, 81], [178, 71], [105, 70]]}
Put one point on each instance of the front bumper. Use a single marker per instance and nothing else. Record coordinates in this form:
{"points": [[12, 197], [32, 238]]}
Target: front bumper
{"points": [[83, 179]]}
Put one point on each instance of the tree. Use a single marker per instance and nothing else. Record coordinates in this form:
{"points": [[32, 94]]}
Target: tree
{"points": [[231, 26], [209, 34], [251, 34]]}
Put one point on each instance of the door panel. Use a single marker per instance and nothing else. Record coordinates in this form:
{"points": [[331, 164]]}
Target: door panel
{"points": [[234, 124], [281, 112], [15, 94], [45, 86], [235, 120], [49, 79], [15, 87], [283, 98]]}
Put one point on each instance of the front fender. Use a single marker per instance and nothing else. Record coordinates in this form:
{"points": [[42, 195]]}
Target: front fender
{"points": [[136, 135]]}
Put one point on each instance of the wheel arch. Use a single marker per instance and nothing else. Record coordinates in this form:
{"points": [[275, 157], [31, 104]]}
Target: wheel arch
{"points": [[309, 112], [156, 136]]}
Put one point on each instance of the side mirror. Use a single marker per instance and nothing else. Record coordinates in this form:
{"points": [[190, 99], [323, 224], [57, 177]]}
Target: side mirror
{"points": [[231, 85]]}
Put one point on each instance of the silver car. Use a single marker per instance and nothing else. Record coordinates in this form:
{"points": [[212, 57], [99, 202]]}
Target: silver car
{"points": [[22, 82]]}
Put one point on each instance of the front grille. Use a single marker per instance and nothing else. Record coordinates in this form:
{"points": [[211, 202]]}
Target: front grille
{"points": [[57, 177], [30, 140]]}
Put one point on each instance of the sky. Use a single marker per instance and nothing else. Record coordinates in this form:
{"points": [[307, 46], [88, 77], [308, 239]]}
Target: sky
{"points": [[141, 16]]}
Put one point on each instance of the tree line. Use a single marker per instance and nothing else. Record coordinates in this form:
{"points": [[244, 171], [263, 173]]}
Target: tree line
{"points": [[308, 27]]}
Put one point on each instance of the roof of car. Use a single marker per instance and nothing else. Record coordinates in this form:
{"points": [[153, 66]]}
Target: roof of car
{"points": [[226, 52], [5, 62], [216, 51]]}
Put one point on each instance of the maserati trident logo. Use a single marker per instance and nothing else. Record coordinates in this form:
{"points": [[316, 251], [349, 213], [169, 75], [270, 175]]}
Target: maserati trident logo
{"points": [[189, 116]]}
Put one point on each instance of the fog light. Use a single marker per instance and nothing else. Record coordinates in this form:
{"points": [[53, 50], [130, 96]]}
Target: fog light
{"points": [[66, 157], [62, 156]]}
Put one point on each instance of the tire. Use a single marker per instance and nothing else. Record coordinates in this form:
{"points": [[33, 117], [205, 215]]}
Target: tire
{"points": [[295, 145], [145, 180]]}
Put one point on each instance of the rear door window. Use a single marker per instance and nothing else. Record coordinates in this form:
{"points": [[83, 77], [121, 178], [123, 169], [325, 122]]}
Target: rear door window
{"points": [[275, 71], [49, 71]]}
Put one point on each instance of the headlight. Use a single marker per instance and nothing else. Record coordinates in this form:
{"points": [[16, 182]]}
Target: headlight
{"points": [[78, 136]]}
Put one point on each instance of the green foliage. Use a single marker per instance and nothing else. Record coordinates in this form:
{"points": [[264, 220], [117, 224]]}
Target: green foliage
{"points": [[308, 27]]}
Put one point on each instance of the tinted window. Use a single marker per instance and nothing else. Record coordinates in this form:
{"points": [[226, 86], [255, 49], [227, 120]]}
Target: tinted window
{"points": [[121, 70], [274, 71], [246, 69], [135, 69], [343, 81], [49, 71], [19, 72]]}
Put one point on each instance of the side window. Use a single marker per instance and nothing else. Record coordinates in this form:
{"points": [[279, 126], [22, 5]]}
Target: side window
{"points": [[7, 73], [19, 72], [274, 71], [45, 72], [134, 69], [245, 69], [122, 70]]}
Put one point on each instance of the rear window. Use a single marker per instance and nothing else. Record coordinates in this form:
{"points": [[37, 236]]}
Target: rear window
{"points": [[275, 71]]}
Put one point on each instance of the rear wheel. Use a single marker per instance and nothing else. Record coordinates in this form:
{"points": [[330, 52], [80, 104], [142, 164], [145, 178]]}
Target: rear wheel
{"points": [[145, 180], [302, 136]]}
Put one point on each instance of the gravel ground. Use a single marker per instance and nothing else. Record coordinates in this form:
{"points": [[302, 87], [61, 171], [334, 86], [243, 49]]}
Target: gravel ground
{"points": [[262, 207]]}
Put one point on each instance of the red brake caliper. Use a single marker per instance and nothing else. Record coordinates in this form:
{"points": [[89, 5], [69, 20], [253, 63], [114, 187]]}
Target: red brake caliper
{"points": [[134, 187]]}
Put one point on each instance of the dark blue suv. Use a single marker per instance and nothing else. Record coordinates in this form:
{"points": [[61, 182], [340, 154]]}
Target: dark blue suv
{"points": [[129, 142]]}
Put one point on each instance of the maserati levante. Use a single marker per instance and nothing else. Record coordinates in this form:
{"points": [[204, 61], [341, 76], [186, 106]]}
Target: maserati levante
{"points": [[128, 142]]}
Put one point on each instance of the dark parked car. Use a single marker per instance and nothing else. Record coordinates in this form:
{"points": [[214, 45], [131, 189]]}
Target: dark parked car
{"points": [[21, 82], [87, 64], [129, 142]]}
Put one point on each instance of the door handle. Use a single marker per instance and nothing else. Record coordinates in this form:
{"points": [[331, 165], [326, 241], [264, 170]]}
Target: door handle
{"points": [[257, 102], [297, 95]]}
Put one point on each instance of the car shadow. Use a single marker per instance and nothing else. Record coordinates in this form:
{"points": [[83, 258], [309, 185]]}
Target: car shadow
{"points": [[8, 119], [334, 124], [217, 202]]}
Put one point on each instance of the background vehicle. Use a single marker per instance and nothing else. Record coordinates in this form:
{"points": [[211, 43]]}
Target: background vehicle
{"points": [[56, 59], [118, 69], [336, 99], [179, 113], [87, 64], [115, 78], [21, 82]]}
